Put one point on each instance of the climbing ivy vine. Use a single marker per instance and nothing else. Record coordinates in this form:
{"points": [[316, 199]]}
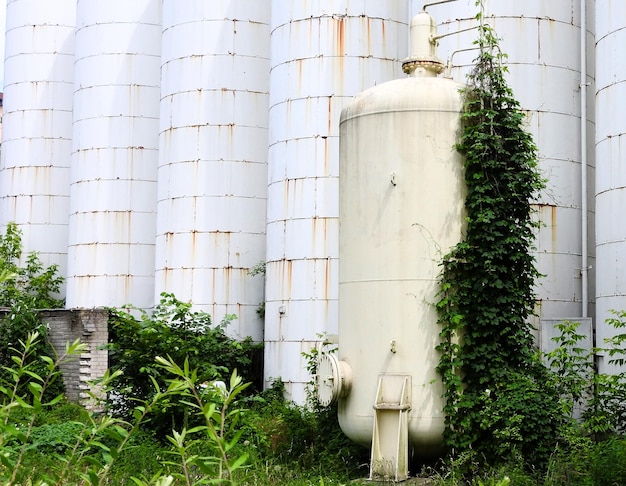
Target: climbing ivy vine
{"points": [[497, 404]]}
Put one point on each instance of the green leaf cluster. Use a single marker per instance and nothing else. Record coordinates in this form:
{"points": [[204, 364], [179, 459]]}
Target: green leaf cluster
{"points": [[23, 291], [497, 405], [175, 330], [33, 285]]}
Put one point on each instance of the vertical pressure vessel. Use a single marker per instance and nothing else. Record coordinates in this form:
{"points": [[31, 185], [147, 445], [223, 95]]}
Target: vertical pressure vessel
{"points": [[401, 195], [115, 154], [323, 53], [213, 157], [37, 124]]}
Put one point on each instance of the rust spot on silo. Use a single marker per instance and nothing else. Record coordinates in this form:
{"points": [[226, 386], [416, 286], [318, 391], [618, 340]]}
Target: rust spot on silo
{"points": [[325, 155], [289, 277], [548, 216], [327, 279], [330, 99], [193, 245], [299, 68], [341, 27]]}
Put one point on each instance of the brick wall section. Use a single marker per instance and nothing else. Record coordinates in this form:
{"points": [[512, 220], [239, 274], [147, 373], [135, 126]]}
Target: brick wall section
{"points": [[91, 327]]}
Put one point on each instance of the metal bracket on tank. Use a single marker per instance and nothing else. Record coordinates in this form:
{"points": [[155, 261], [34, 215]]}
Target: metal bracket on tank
{"points": [[390, 436]]}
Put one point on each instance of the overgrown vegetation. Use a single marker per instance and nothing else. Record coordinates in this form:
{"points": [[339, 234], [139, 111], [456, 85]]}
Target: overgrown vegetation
{"points": [[181, 409], [23, 291], [504, 407], [176, 331], [497, 402]]}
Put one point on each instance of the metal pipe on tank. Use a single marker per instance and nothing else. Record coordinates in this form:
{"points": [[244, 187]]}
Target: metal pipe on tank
{"points": [[584, 264]]}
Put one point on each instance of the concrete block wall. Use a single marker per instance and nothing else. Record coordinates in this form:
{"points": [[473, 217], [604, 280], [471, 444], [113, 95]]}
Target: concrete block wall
{"points": [[91, 328]]}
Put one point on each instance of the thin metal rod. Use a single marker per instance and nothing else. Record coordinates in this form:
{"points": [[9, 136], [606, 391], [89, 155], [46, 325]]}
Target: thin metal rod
{"points": [[435, 38], [437, 3], [584, 271]]}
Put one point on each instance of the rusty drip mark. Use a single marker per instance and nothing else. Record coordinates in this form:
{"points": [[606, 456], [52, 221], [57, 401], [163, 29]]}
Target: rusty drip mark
{"points": [[543, 216], [325, 155], [330, 98], [299, 67], [289, 277], [286, 194], [213, 284], [369, 36], [341, 37], [127, 288], [340, 52], [327, 280], [193, 245], [226, 283]]}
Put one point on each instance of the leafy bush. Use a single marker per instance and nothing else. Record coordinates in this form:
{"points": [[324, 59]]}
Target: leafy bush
{"points": [[498, 404], [33, 285], [175, 331], [23, 290]]}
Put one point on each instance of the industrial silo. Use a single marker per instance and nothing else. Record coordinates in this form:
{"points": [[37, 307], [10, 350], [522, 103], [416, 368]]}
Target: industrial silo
{"points": [[213, 157], [115, 154], [323, 53], [402, 195], [611, 176], [37, 124], [550, 70]]}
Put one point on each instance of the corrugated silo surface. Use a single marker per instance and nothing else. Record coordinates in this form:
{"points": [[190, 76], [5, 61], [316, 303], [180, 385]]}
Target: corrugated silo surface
{"points": [[115, 154], [611, 170], [37, 124], [213, 157], [323, 53], [542, 41]]}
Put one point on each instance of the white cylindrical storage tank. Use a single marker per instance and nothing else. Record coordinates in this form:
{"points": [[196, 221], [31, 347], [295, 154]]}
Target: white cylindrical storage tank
{"points": [[115, 154], [323, 53], [37, 124], [213, 157], [401, 210], [611, 173], [542, 41]]}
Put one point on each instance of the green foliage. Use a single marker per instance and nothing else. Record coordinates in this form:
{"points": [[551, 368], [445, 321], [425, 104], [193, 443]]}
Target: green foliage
{"points": [[176, 331], [497, 404], [16, 437], [218, 427], [33, 285], [23, 290]]}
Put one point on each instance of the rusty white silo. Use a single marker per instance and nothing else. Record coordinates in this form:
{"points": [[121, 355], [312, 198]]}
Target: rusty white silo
{"points": [[115, 154], [213, 157], [323, 53], [549, 72], [37, 124], [402, 194], [611, 175]]}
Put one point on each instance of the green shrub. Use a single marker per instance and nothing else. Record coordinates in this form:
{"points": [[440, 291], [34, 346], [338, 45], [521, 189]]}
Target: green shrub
{"points": [[173, 330], [33, 285], [24, 290]]}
